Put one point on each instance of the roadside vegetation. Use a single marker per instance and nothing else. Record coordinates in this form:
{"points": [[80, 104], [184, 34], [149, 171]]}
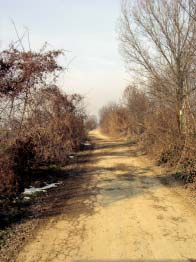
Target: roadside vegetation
{"points": [[158, 45], [40, 125]]}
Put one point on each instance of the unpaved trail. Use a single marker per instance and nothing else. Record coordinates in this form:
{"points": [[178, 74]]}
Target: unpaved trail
{"points": [[130, 215]]}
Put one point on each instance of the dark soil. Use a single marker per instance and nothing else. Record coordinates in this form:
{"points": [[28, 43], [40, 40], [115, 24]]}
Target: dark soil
{"points": [[17, 229]]}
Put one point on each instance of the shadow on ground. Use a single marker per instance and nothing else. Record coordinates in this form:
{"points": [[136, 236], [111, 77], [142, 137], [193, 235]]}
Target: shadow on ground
{"points": [[77, 194], [84, 179]]}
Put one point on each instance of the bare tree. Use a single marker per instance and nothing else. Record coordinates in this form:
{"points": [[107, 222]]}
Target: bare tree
{"points": [[158, 39], [192, 15]]}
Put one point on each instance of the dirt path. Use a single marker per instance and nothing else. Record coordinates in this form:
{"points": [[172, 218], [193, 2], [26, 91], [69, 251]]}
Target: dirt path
{"points": [[125, 214]]}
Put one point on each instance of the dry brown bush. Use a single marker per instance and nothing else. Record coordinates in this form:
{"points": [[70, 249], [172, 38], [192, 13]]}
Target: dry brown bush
{"points": [[113, 119], [156, 128], [39, 124], [137, 105], [56, 125]]}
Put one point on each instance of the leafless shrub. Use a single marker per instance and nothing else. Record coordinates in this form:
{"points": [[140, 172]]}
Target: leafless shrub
{"points": [[64, 117], [39, 124], [114, 119], [137, 104]]}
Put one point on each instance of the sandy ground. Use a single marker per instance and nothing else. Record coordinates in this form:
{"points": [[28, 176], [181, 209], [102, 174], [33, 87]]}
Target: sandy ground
{"points": [[128, 214]]}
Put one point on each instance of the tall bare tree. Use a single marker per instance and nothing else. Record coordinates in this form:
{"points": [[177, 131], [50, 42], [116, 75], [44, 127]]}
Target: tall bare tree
{"points": [[158, 39]]}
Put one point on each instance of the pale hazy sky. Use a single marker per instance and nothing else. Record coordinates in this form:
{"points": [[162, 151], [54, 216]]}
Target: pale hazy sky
{"points": [[87, 29]]}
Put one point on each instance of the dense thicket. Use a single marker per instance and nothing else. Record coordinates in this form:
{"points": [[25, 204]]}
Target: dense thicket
{"points": [[39, 124], [157, 42]]}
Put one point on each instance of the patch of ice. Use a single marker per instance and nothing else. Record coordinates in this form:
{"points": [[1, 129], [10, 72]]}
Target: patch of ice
{"points": [[33, 190], [27, 198], [86, 143]]}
